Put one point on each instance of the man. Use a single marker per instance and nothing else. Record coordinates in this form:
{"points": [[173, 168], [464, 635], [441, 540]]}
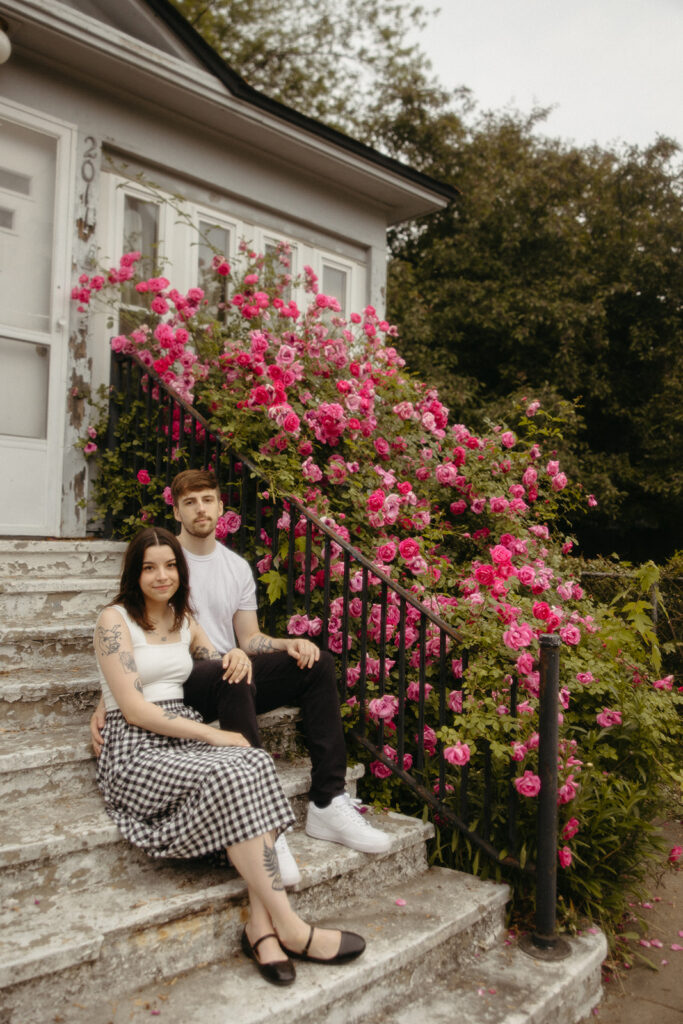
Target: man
{"points": [[277, 672]]}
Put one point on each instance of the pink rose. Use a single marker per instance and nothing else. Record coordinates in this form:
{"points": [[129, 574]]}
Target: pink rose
{"points": [[559, 482], [568, 791], [675, 854], [664, 684], [413, 691], [455, 701], [585, 678], [386, 552], [508, 439], [571, 635], [459, 754], [89, 448], [409, 549], [143, 477], [500, 555], [518, 752], [298, 625], [380, 770], [528, 784], [570, 829], [607, 718], [565, 856]]}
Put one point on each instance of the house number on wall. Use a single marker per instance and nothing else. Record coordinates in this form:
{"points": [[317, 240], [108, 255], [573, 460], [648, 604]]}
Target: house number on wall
{"points": [[88, 171]]}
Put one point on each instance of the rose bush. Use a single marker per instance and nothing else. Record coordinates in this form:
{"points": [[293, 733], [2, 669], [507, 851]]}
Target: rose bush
{"points": [[470, 524]]}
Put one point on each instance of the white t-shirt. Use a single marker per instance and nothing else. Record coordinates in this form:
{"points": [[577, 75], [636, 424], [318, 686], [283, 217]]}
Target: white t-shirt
{"points": [[220, 585], [163, 668]]}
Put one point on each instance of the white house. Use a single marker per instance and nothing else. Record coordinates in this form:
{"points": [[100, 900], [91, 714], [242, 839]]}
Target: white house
{"points": [[95, 97]]}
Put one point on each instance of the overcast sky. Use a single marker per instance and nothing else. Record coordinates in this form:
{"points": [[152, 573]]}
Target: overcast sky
{"points": [[613, 69]]}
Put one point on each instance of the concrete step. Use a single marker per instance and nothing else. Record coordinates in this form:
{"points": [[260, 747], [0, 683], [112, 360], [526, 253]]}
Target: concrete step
{"points": [[448, 919], [45, 645], [507, 986], [60, 558], [56, 944], [33, 599], [41, 698], [53, 839]]}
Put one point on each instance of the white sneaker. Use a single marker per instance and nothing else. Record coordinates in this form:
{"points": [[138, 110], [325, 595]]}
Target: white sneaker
{"points": [[289, 870], [340, 822]]}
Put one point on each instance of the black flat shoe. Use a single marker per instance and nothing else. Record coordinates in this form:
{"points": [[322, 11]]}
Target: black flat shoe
{"points": [[278, 972], [350, 947]]}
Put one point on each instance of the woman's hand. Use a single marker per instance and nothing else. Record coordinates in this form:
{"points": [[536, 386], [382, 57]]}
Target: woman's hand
{"points": [[225, 738], [237, 666]]}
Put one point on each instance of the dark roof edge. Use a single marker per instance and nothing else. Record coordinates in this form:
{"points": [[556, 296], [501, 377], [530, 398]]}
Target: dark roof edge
{"points": [[215, 63]]}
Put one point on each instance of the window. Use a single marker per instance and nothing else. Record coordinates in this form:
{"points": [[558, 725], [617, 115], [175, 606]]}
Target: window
{"points": [[283, 261], [214, 240], [335, 281]]}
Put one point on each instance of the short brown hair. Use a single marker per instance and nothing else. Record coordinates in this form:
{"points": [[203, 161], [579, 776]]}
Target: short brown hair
{"points": [[192, 480]]}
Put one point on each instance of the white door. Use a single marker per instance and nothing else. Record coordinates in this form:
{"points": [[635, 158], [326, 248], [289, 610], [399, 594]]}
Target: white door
{"points": [[35, 161]]}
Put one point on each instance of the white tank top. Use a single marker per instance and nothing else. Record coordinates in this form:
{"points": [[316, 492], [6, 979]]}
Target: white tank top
{"points": [[163, 668]]}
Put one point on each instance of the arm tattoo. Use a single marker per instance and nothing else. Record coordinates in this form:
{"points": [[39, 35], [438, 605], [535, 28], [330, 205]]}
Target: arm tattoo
{"points": [[138, 685], [128, 661], [108, 640], [204, 654], [260, 644], [270, 863], [169, 714]]}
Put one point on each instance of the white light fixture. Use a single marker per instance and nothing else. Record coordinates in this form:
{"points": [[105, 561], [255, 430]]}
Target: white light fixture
{"points": [[5, 45]]}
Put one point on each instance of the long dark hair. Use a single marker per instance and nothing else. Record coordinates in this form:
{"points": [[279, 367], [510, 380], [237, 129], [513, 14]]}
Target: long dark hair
{"points": [[130, 595]]}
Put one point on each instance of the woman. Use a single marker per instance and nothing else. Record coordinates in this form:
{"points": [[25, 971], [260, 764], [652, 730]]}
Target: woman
{"points": [[177, 787]]}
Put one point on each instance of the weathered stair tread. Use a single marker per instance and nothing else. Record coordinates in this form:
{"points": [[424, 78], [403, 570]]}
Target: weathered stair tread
{"points": [[403, 944], [40, 828], [48, 632], [36, 748], [35, 923], [506, 986], [56, 584]]}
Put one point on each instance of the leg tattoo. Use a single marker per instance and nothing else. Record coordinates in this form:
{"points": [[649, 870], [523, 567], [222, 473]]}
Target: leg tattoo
{"points": [[270, 862]]}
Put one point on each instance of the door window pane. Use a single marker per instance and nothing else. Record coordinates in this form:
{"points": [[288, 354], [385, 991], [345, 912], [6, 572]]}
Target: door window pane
{"points": [[273, 250], [334, 283], [28, 161], [23, 388], [214, 240], [140, 234]]}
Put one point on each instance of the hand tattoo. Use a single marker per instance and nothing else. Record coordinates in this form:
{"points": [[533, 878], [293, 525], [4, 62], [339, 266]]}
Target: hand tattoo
{"points": [[260, 644], [204, 654], [270, 863], [128, 661], [169, 714], [108, 640]]}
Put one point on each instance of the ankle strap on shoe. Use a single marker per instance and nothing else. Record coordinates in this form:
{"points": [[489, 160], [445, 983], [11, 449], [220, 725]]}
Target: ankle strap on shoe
{"points": [[270, 935]]}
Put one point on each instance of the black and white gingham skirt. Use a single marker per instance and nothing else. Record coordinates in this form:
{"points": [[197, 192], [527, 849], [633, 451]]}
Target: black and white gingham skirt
{"points": [[184, 798]]}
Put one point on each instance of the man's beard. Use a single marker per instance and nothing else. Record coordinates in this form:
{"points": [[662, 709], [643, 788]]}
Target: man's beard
{"points": [[201, 529]]}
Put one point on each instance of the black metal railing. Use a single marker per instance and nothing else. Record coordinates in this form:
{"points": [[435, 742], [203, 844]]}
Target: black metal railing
{"points": [[322, 573]]}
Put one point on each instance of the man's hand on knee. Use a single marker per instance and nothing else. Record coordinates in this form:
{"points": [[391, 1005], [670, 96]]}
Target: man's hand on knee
{"points": [[305, 652]]}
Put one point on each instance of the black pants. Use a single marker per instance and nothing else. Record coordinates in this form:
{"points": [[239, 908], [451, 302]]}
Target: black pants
{"points": [[277, 680]]}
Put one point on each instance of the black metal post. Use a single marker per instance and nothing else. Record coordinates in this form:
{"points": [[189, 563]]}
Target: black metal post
{"points": [[544, 942]]}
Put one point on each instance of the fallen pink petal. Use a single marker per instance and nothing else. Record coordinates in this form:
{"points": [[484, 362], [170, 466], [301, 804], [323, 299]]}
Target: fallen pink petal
{"points": [[657, 943], [676, 947], [400, 903]]}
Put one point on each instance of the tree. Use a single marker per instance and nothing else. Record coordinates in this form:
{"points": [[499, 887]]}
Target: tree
{"points": [[559, 274], [327, 59]]}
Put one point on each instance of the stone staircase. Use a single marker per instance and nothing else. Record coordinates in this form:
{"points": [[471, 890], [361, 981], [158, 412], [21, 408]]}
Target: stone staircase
{"points": [[92, 931]]}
